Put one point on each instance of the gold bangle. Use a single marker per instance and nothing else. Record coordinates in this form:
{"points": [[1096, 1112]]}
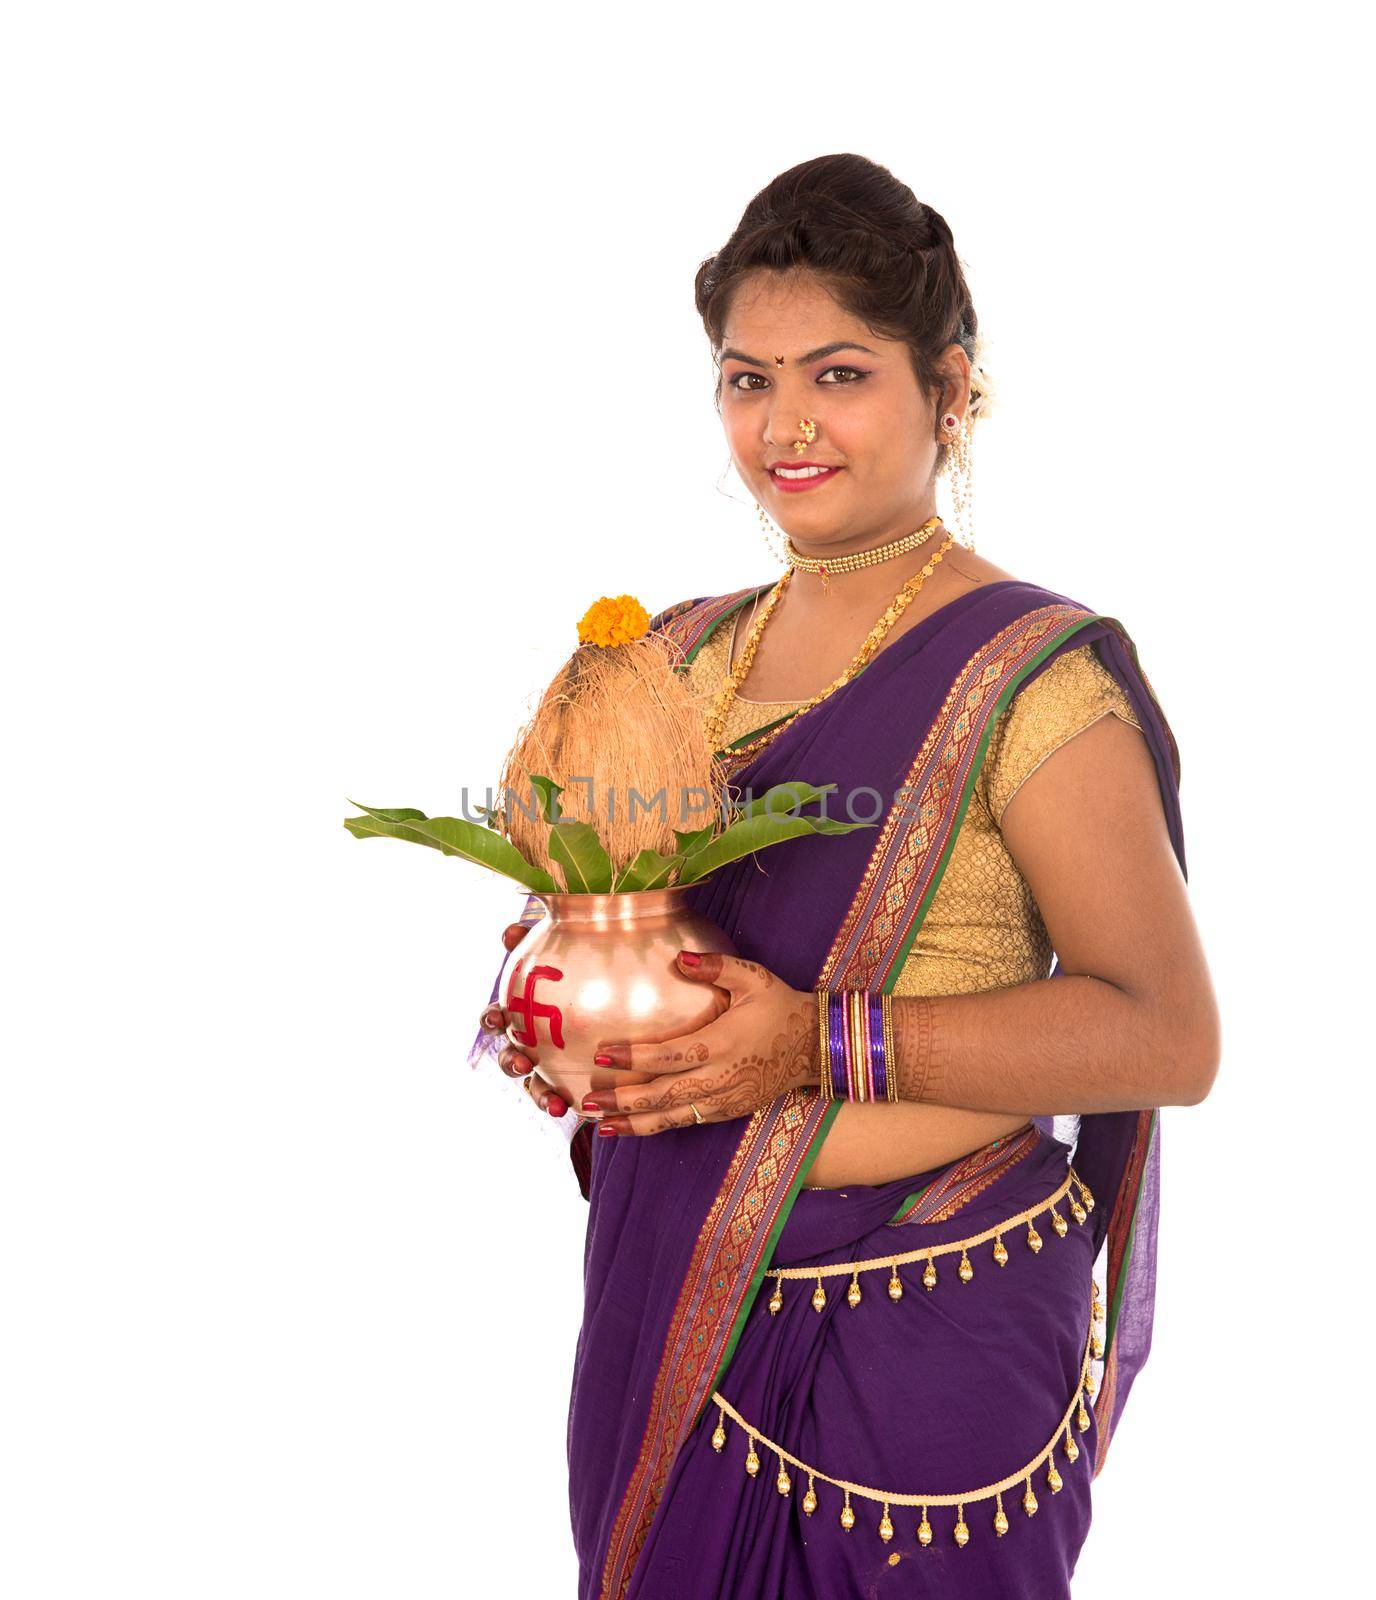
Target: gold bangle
{"points": [[823, 1058]]}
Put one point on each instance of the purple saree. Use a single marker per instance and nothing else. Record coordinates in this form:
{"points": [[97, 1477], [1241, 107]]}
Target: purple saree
{"points": [[935, 1410]]}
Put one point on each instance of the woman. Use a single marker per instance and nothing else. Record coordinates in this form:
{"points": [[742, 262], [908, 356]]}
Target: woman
{"points": [[899, 1375]]}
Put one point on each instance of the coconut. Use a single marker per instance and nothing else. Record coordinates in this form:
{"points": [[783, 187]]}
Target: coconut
{"points": [[622, 732]]}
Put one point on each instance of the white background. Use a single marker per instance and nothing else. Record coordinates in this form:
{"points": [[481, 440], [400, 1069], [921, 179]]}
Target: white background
{"points": [[349, 353]]}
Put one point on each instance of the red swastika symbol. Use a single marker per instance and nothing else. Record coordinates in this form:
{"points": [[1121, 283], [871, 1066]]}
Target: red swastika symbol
{"points": [[525, 1007]]}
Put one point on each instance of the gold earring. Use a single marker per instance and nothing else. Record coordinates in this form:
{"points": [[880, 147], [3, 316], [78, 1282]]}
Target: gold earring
{"points": [[959, 469], [808, 428]]}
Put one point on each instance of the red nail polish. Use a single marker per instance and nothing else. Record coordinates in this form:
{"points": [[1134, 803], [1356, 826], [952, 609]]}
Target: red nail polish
{"points": [[589, 1104], [690, 958], [556, 1105], [605, 1129], [601, 1059]]}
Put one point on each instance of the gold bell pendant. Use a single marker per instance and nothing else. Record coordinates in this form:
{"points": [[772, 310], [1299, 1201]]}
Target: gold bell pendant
{"points": [[810, 1499], [1097, 1348], [965, 1270], [1078, 1211], [719, 1436], [853, 1293], [1090, 1385], [776, 1300], [895, 1285], [1053, 1479], [924, 1529], [783, 1483], [847, 1515], [1000, 1519], [885, 1525], [752, 1461], [1059, 1223], [1034, 1239], [1029, 1500], [1000, 1252], [819, 1295], [1082, 1418], [1085, 1195], [929, 1274], [1072, 1450], [962, 1533]]}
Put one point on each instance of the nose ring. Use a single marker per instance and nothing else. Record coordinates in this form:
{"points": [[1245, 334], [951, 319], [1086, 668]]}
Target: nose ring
{"points": [[808, 428]]}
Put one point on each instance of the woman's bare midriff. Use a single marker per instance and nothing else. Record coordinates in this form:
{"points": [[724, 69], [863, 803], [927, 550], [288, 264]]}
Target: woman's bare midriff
{"points": [[875, 1143]]}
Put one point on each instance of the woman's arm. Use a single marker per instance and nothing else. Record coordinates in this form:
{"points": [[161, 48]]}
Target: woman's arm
{"points": [[1133, 1022]]}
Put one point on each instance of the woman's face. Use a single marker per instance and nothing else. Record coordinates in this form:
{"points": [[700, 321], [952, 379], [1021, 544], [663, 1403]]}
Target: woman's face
{"points": [[874, 424]]}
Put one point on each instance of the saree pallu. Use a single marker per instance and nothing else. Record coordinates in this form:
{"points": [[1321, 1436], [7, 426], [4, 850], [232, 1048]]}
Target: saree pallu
{"points": [[945, 1390]]}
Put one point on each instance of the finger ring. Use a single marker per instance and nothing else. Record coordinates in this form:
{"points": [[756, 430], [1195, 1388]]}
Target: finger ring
{"points": [[698, 1116]]}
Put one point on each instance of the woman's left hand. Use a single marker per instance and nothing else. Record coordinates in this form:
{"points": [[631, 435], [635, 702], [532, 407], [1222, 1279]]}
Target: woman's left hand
{"points": [[764, 1044]]}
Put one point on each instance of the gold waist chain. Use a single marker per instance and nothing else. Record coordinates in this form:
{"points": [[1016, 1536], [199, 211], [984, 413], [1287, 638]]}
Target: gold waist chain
{"points": [[928, 1253], [1075, 1414]]}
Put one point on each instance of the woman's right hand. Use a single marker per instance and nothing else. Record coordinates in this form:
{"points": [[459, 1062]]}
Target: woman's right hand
{"points": [[516, 1063]]}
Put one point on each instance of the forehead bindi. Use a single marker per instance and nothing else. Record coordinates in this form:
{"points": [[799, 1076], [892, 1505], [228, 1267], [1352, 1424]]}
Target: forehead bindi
{"points": [[805, 358]]}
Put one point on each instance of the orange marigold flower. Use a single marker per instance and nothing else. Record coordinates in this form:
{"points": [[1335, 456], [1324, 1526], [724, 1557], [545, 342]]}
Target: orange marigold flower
{"points": [[613, 620]]}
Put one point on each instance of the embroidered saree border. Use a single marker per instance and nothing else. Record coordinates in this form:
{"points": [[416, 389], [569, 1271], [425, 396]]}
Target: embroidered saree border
{"points": [[965, 1179], [766, 1168], [690, 621], [820, 1128], [661, 619]]}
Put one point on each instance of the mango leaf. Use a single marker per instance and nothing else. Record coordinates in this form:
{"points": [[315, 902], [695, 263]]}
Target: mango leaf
{"points": [[755, 833], [783, 798], [453, 836], [578, 850], [489, 815], [405, 814], [689, 843], [649, 870], [549, 793]]}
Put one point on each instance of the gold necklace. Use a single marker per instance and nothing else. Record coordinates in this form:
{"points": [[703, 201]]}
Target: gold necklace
{"points": [[721, 711], [861, 558]]}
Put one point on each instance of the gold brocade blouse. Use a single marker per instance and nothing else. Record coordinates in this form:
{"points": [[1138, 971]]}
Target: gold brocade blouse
{"points": [[983, 929]]}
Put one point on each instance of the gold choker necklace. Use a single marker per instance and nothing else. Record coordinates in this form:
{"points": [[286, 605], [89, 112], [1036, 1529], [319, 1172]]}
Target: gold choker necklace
{"points": [[825, 565]]}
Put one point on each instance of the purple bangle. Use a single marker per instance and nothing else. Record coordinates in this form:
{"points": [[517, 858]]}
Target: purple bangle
{"points": [[836, 1038], [879, 1087]]}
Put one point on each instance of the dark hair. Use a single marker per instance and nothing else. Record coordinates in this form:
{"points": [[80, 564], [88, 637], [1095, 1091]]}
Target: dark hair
{"points": [[886, 257]]}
